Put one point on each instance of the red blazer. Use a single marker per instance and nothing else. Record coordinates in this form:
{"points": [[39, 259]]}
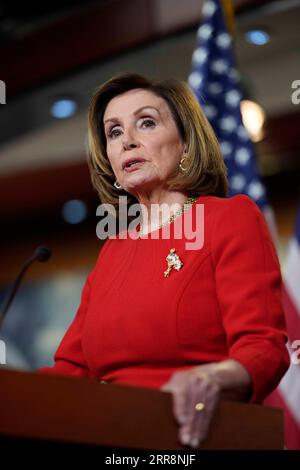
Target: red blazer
{"points": [[135, 326]]}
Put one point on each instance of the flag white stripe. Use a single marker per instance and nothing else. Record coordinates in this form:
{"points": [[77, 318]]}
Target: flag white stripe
{"points": [[290, 388], [271, 222], [292, 273]]}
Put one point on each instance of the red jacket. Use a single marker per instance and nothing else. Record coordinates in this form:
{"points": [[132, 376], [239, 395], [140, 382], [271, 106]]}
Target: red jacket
{"points": [[137, 327]]}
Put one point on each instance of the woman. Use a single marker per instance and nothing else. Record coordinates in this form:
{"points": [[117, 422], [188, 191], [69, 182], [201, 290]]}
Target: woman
{"points": [[206, 322]]}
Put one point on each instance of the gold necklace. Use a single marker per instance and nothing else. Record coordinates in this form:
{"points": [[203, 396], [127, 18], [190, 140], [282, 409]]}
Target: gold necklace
{"points": [[189, 202]]}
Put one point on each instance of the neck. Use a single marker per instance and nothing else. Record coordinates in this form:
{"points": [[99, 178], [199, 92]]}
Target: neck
{"points": [[157, 210]]}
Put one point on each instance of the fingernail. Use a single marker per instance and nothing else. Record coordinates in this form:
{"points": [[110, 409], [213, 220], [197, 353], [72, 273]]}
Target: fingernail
{"points": [[194, 443], [185, 439]]}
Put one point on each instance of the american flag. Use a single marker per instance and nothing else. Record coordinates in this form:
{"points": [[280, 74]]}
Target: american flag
{"points": [[215, 81], [287, 394]]}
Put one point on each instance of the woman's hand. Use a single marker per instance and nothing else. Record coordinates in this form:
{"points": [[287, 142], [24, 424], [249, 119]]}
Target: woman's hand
{"points": [[189, 388], [204, 386]]}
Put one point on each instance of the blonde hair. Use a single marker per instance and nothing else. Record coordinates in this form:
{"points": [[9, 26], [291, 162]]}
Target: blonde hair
{"points": [[205, 173]]}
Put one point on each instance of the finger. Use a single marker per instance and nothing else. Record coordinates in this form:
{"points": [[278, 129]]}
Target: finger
{"points": [[186, 428], [175, 386], [180, 403], [207, 393], [196, 394], [166, 387]]}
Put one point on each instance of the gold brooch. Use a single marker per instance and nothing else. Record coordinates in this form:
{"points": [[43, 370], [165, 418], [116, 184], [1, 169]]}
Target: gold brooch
{"points": [[173, 262]]}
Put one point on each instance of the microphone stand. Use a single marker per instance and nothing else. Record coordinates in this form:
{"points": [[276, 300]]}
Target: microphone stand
{"points": [[42, 254]]}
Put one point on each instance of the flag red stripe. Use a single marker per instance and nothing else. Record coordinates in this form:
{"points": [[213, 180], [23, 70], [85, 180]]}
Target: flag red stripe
{"points": [[291, 315]]}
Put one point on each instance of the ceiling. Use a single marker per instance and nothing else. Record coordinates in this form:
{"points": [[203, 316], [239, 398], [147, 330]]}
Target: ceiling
{"points": [[28, 132], [69, 47]]}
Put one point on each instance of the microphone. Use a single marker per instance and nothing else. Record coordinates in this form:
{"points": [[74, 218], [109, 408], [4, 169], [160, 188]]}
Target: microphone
{"points": [[42, 254]]}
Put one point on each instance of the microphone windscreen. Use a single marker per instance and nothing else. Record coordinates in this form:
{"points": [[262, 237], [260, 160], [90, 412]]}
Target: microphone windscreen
{"points": [[43, 253]]}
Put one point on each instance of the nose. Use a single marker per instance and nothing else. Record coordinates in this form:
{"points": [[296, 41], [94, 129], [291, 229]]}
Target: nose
{"points": [[129, 145], [129, 141]]}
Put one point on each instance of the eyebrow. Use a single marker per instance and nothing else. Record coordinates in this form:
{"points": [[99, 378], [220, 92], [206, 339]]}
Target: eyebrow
{"points": [[135, 112]]}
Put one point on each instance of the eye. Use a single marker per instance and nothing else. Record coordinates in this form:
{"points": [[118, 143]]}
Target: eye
{"points": [[152, 123], [116, 132], [112, 133]]}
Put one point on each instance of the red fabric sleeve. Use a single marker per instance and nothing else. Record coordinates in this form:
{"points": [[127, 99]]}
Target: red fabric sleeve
{"points": [[249, 288]]}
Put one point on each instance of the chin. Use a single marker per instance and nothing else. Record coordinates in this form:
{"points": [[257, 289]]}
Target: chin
{"points": [[139, 184]]}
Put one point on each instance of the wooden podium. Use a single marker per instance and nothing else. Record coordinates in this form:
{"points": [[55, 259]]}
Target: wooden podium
{"points": [[58, 409]]}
